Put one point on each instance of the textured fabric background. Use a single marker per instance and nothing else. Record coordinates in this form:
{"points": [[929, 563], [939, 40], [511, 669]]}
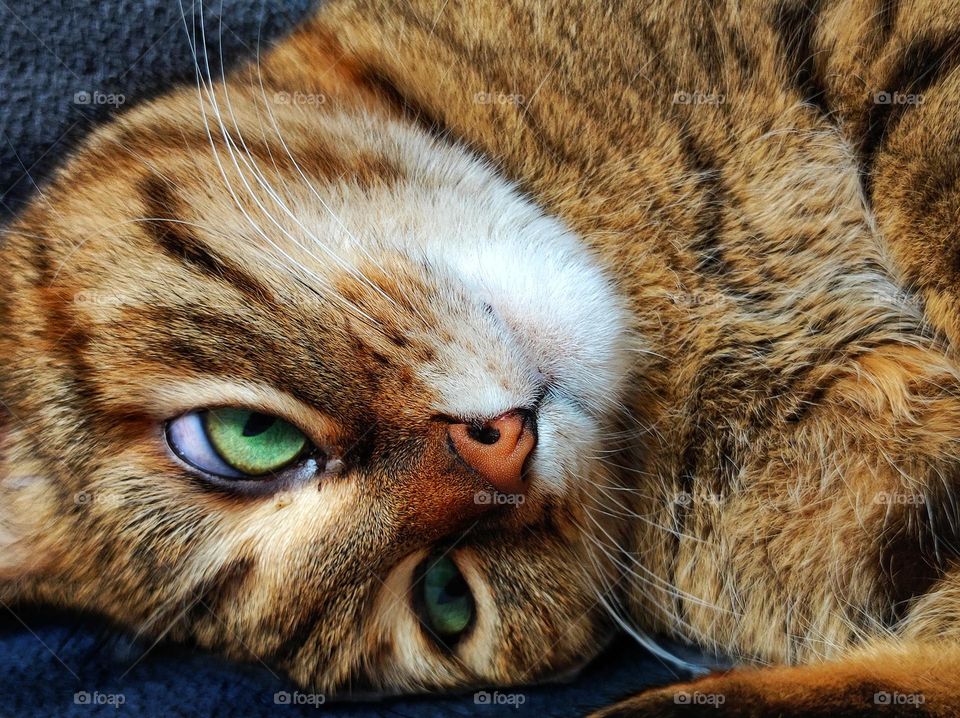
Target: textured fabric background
{"points": [[65, 65], [48, 664]]}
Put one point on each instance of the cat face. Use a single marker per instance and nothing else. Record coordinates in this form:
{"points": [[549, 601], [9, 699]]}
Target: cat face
{"points": [[262, 366]]}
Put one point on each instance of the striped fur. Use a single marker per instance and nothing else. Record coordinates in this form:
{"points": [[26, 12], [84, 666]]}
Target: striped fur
{"points": [[755, 436]]}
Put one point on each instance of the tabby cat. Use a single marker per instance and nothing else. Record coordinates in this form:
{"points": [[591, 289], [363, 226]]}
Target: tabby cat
{"points": [[450, 338]]}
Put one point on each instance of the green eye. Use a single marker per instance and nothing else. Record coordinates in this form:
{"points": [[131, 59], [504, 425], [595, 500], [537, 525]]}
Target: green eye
{"points": [[253, 443], [446, 603]]}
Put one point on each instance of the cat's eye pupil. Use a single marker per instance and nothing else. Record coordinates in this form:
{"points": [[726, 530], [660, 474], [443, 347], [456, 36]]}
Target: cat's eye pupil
{"points": [[258, 423], [454, 590]]}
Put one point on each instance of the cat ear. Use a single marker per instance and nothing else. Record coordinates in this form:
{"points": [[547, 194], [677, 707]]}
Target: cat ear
{"points": [[26, 500]]}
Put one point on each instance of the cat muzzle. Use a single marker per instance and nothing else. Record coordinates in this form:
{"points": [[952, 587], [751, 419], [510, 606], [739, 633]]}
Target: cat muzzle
{"points": [[498, 449]]}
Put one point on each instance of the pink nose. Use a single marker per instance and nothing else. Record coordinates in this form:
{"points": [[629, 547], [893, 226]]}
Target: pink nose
{"points": [[497, 449]]}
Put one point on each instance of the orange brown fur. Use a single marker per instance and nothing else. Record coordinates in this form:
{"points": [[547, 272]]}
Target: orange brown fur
{"points": [[787, 254]]}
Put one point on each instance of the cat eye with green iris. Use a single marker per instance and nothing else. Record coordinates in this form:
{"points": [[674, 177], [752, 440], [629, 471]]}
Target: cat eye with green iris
{"points": [[445, 603], [253, 443], [236, 443]]}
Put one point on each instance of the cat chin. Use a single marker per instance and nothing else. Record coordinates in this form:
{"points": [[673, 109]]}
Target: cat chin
{"points": [[556, 303], [554, 299]]}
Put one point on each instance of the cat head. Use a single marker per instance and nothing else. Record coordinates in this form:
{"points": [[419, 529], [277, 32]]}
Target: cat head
{"points": [[309, 386]]}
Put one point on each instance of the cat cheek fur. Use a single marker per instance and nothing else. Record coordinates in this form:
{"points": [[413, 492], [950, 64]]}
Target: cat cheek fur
{"points": [[27, 546], [168, 276]]}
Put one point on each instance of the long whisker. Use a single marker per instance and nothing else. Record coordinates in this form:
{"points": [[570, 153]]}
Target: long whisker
{"points": [[209, 91], [323, 203]]}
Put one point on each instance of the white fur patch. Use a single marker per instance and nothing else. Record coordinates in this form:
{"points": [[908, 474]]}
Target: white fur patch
{"points": [[557, 331]]}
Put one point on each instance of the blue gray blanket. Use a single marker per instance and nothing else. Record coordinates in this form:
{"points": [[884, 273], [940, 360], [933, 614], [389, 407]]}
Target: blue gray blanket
{"points": [[65, 65]]}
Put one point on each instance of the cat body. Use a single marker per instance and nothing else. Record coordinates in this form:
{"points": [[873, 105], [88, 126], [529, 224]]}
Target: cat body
{"points": [[705, 250]]}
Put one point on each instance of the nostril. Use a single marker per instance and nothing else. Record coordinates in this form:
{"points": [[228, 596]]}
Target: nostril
{"points": [[484, 433]]}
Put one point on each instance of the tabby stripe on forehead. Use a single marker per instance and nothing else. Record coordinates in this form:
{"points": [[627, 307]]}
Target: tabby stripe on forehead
{"points": [[921, 65], [796, 23], [164, 222], [387, 90], [707, 243], [886, 17]]}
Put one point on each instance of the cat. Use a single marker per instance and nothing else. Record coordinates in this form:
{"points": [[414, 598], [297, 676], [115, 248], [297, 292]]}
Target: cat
{"points": [[446, 340]]}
